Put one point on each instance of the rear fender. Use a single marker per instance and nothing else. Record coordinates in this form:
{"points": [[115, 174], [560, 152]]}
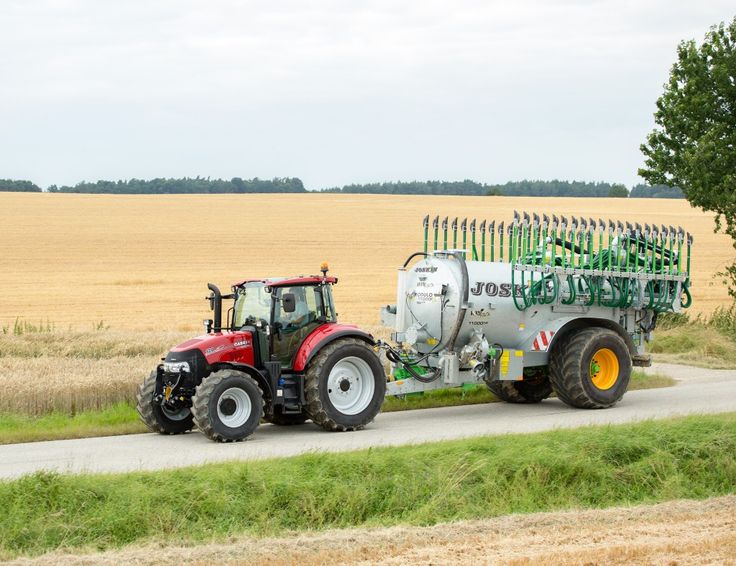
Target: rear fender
{"points": [[324, 335], [580, 323]]}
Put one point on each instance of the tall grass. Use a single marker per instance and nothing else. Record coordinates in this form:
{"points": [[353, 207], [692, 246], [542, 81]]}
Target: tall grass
{"points": [[692, 457], [708, 341]]}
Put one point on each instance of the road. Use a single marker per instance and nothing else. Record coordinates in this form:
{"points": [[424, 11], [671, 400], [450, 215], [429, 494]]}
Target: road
{"points": [[698, 391]]}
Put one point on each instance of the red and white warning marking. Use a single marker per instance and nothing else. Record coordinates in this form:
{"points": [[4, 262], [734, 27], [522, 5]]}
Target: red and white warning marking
{"points": [[542, 340]]}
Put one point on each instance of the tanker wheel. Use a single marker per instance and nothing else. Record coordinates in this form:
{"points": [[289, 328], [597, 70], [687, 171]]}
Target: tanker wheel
{"points": [[275, 415], [345, 386], [530, 390], [157, 417], [228, 406], [591, 368]]}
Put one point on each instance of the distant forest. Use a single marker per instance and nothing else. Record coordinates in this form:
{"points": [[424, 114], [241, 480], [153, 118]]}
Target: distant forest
{"points": [[185, 186], [200, 185], [11, 186]]}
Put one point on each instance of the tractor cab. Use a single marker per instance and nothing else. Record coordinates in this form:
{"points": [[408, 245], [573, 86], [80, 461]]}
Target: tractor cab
{"points": [[283, 312]]}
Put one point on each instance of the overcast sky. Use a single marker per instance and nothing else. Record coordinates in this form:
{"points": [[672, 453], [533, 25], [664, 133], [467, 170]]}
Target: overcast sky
{"points": [[335, 92]]}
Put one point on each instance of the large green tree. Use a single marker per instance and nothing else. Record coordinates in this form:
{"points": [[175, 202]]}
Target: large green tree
{"points": [[693, 145]]}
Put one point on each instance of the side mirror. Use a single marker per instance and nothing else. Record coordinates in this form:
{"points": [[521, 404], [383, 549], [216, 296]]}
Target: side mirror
{"points": [[288, 302]]}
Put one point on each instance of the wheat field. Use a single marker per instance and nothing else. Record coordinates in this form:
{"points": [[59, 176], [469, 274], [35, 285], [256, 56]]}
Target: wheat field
{"points": [[119, 279], [142, 262]]}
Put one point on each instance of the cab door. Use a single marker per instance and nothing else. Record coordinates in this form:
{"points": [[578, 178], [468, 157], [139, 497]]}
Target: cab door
{"points": [[291, 328]]}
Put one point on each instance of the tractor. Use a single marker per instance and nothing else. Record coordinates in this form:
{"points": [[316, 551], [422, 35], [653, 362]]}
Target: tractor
{"points": [[281, 356]]}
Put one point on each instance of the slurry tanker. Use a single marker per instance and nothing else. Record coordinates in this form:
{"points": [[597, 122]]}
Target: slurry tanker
{"points": [[529, 307]]}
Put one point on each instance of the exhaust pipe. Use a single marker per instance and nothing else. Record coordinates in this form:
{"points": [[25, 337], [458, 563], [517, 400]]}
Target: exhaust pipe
{"points": [[215, 300]]}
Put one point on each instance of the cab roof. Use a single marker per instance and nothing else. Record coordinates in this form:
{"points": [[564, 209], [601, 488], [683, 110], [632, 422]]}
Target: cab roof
{"points": [[290, 281]]}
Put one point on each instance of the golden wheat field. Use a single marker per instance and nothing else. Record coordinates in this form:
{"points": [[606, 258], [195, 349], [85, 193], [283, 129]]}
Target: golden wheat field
{"points": [[137, 267], [142, 262]]}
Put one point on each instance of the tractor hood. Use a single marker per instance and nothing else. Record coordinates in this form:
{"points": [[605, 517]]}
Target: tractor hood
{"points": [[217, 347]]}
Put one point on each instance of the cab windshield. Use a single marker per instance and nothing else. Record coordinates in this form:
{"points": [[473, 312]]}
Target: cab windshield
{"points": [[252, 303]]}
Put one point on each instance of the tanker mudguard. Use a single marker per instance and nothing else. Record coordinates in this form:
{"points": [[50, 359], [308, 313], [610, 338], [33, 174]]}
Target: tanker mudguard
{"points": [[324, 335]]}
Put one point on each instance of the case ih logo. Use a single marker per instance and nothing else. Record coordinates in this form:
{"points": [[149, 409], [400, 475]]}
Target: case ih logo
{"points": [[242, 343], [495, 290]]}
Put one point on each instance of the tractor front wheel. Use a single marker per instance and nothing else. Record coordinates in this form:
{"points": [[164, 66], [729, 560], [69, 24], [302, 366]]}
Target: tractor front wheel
{"points": [[345, 386], [157, 417], [228, 406], [591, 368]]}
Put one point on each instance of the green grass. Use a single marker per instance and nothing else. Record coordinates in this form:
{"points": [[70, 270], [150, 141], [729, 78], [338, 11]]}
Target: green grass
{"points": [[703, 341], [591, 467], [118, 419], [123, 418]]}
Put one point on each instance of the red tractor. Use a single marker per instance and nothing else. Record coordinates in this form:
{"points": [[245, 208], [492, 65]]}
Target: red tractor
{"points": [[281, 356]]}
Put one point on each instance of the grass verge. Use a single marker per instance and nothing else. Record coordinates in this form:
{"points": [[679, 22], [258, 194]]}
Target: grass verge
{"points": [[594, 467], [122, 418], [703, 341]]}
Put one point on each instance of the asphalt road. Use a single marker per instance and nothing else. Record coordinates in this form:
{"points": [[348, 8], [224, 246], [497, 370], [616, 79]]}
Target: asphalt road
{"points": [[698, 391]]}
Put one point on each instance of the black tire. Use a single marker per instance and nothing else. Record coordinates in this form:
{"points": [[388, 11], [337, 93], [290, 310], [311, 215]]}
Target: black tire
{"points": [[318, 392], [275, 415], [228, 406], [572, 368], [154, 416], [534, 390]]}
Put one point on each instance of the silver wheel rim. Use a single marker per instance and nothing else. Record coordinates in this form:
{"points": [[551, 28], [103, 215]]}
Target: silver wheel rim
{"points": [[179, 415], [350, 385], [234, 407]]}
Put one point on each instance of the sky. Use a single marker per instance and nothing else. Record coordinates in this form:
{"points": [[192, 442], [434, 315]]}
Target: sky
{"points": [[336, 92]]}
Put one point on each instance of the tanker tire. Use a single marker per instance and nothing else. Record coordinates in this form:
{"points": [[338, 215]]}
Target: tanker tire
{"points": [[532, 391], [570, 364], [209, 394], [319, 407], [153, 415], [275, 416]]}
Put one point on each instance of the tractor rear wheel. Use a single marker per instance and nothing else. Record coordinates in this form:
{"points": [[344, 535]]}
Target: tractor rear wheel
{"points": [[228, 406], [345, 386], [276, 415], [533, 390], [591, 368], [157, 417]]}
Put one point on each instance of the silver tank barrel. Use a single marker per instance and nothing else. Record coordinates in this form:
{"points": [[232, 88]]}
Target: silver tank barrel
{"points": [[430, 299]]}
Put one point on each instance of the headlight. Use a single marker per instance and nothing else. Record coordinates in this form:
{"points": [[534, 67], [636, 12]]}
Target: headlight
{"points": [[176, 367]]}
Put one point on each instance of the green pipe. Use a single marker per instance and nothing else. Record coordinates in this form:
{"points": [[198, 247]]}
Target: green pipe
{"points": [[435, 226], [454, 234], [553, 238], [483, 240], [426, 233], [492, 233], [500, 242], [464, 230], [512, 242], [444, 231]]}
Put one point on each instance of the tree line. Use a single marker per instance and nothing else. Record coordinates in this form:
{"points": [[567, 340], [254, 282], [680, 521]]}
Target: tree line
{"points": [[201, 185], [529, 188], [12, 186], [186, 185]]}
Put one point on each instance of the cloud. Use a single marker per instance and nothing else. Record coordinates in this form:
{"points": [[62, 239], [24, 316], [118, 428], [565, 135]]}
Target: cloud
{"points": [[335, 92]]}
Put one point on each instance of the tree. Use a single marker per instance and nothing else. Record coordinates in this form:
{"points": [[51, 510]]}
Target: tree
{"points": [[693, 145], [618, 191]]}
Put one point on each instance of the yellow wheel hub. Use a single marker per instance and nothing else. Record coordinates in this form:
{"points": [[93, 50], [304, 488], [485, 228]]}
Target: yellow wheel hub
{"points": [[604, 369]]}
